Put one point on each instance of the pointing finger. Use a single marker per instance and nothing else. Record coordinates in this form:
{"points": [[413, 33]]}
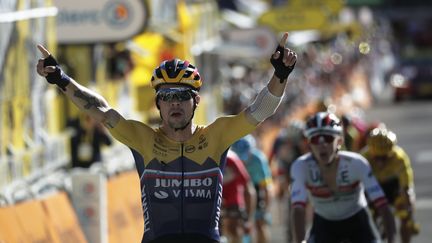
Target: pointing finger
{"points": [[284, 39], [44, 51], [286, 56]]}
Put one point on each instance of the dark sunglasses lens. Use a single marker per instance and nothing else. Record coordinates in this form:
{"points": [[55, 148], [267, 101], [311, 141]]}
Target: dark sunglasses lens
{"points": [[184, 95], [169, 95], [317, 139], [329, 138]]}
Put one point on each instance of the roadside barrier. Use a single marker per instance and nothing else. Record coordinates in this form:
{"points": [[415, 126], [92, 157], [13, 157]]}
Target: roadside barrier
{"points": [[11, 229], [51, 219], [97, 208], [125, 223], [35, 222], [64, 220]]}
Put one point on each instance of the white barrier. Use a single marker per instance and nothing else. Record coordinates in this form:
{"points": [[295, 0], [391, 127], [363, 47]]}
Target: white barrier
{"points": [[89, 200]]}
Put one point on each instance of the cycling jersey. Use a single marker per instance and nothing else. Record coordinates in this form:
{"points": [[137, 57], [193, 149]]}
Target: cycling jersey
{"points": [[285, 150], [181, 182], [258, 168], [235, 180], [354, 176], [394, 174]]}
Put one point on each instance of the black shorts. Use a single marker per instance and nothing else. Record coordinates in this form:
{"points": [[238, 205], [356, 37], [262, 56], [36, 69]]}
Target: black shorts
{"points": [[234, 212], [355, 229], [391, 189]]}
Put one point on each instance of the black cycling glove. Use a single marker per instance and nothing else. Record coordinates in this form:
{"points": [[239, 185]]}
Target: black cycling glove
{"points": [[57, 77], [281, 71]]}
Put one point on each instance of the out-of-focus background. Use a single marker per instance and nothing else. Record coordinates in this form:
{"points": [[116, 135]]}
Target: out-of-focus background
{"points": [[62, 177]]}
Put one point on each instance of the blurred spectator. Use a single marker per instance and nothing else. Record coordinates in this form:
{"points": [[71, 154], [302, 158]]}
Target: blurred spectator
{"points": [[228, 4], [88, 137], [119, 63], [119, 67]]}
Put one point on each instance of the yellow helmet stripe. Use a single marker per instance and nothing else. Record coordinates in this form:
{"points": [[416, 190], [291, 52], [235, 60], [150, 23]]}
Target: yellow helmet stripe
{"points": [[172, 80]]}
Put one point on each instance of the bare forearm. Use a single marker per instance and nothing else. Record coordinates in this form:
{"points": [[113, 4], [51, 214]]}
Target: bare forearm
{"points": [[87, 100], [250, 200], [276, 87], [267, 197], [299, 224]]}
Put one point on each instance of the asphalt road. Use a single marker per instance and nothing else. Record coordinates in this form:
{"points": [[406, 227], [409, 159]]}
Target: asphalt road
{"points": [[412, 122]]}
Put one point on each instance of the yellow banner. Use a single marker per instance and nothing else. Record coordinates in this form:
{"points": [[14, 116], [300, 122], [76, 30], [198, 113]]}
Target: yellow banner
{"points": [[291, 19], [329, 6]]}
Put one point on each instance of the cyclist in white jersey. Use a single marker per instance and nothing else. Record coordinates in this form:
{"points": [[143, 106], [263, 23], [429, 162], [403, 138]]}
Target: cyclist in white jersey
{"points": [[335, 181]]}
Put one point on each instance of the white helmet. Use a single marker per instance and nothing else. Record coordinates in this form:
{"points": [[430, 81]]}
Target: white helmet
{"points": [[323, 123]]}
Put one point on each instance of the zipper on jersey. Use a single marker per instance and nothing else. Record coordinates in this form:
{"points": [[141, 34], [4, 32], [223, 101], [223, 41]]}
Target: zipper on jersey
{"points": [[182, 190]]}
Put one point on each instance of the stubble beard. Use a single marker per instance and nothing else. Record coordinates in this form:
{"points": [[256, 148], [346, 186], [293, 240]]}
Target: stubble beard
{"points": [[177, 124]]}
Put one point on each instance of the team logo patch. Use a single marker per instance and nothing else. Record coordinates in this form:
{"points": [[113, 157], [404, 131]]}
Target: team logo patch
{"points": [[118, 14], [190, 149], [161, 194]]}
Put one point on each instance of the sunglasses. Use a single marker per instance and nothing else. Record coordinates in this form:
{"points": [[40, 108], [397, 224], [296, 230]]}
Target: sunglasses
{"points": [[317, 139], [179, 94]]}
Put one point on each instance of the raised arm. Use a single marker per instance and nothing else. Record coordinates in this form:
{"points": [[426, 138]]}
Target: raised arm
{"points": [[267, 101], [283, 61], [85, 99]]}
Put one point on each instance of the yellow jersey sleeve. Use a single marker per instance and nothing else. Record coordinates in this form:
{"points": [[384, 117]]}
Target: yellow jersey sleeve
{"points": [[229, 129], [406, 175], [132, 133]]}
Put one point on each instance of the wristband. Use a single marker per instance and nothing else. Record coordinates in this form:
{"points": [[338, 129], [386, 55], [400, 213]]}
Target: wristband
{"points": [[57, 77], [281, 71]]}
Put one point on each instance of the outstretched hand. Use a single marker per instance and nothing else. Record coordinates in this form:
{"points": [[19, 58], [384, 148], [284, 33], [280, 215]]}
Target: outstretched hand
{"points": [[49, 68], [283, 60], [46, 64]]}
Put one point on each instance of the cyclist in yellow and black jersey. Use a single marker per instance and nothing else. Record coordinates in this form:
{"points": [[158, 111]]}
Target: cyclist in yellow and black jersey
{"points": [[392, 168], [180, 164]]}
